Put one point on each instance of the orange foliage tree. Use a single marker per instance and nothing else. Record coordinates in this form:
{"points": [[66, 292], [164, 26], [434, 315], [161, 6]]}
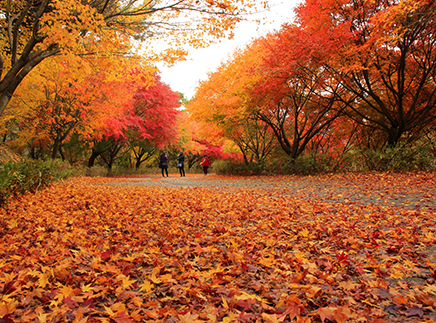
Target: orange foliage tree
{"points": [[275, 80], [384, 54], [295, 95], [342, 65], [32, 31], [73, 102], [221, 107], [196, 139]]}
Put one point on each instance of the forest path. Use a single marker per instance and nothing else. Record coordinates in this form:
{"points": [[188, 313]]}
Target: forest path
{"points": [[410, 190]]}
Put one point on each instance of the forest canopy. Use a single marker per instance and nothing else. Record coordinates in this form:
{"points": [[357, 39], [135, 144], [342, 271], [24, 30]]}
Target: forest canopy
{"points": [[346, 85]]}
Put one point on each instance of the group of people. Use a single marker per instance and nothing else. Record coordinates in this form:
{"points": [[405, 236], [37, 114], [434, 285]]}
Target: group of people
{"points": [[163, 164]]}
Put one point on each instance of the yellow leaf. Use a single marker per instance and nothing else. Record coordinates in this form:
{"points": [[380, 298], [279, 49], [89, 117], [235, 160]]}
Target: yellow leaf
{"points": [[267, 262], [66, 291], [109, 311], [397, 274], [300, 255], [146, 286], [245, 296], [129, 258], [118, 307], [137, 301], [154, 279], [370, 304], [272, 318], [229, 318], [304, 233], [15, 257], [431, 289], [127, 282], [54, 302], [42, 317], [166, 277], [225, 304], [43, 280], [87, 288]]}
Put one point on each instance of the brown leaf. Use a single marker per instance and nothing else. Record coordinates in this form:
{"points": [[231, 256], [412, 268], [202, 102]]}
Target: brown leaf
{"points": [[415, 311]]}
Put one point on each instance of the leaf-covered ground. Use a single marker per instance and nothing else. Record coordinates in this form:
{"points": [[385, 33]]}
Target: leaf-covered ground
{"points": [[341, 248]]}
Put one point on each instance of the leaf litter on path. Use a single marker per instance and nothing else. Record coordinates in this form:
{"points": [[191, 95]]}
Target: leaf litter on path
{"points": [[338, 248]]}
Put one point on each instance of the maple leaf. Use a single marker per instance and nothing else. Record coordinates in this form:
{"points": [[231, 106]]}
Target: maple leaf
{"points": [[273, 318], [415, 311], [43, 280], [154, 279], [225, 304], [383, 293], [122, 317], [3, 310], [392, 309], [245, 296], [313, 291], [188, 317], [109, 311], [325, 313], [127, 282], [342, 258], [341, 314], [431, 289], [230, 318], [79, 317], [397, 274], [87, 288]]}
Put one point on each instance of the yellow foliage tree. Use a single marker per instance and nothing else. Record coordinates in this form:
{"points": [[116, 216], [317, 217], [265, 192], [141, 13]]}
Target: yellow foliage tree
{"points": [[31, 30]]}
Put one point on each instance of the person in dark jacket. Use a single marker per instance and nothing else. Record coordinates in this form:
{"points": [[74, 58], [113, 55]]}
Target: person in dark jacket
{"points": [[163, 163], [181, 164]]}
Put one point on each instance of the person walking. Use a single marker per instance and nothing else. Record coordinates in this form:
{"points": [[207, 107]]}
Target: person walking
{"points": [[181, 164], [205, 163], [163, 163]]}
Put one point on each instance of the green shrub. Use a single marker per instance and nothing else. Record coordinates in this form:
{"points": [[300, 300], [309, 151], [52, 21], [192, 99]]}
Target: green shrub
{"points": [[96, 171], [399, 158], [17, 178], [308, 165], [63, 169], [228, 167], [410, 158], [21, 177], [303, 165]]}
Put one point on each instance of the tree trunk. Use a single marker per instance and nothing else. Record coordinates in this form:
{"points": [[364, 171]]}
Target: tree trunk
{"points": [[55, 150], [93, 157], [12, 81]]}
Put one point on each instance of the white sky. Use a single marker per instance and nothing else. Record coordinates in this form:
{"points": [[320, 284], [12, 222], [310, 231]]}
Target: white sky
{"points": [[185, 75]]}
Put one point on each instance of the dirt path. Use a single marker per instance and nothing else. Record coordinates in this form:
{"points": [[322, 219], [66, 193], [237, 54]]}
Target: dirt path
{"points": [[400, 190]]}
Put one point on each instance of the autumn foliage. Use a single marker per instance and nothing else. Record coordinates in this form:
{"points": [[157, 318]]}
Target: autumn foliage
{"points": [[345, 75], [343, 248], [33, 31]]}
